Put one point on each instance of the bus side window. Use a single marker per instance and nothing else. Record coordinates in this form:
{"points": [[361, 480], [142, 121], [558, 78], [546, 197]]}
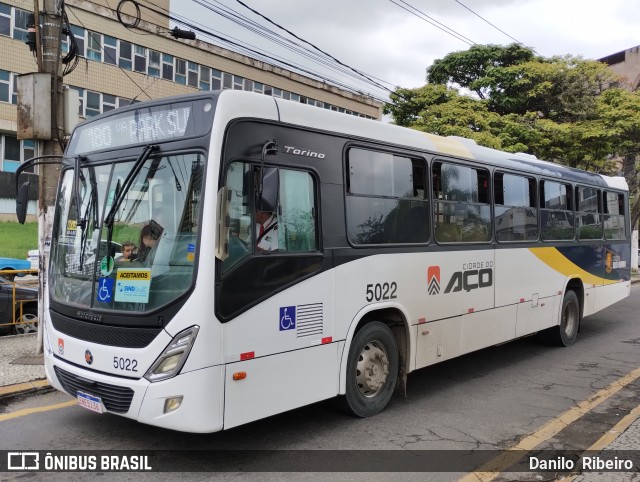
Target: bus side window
{"points": [[461, 203], [515, 207], [296, 214], [556, 211], [589, 223], [385, 198], [614, 216]]}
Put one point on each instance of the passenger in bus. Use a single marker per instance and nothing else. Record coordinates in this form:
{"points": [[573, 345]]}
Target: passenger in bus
{"points": [[149, 236], [128, 252], [266, 231]]}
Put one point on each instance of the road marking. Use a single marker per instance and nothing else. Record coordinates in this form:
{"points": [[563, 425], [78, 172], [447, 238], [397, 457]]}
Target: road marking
{"points": [[29, 411], [611, 434], [490, 470]]}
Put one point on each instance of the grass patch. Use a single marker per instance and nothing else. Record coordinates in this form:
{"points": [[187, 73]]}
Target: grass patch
{"points": [[17, 239]]}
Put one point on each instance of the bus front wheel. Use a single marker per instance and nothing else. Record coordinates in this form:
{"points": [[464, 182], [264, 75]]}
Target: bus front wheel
{"points": [[372, 370], [566, 332]]}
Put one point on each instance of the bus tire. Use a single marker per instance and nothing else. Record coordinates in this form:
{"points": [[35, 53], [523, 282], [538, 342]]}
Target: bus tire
{"points": [[372, 370], [566, 332]]}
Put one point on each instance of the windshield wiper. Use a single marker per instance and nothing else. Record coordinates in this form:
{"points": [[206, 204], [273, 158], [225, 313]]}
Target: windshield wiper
{"points": [[119, 195]]}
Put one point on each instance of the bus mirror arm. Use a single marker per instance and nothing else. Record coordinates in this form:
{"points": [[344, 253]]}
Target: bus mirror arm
{"points": [[269, 180]]}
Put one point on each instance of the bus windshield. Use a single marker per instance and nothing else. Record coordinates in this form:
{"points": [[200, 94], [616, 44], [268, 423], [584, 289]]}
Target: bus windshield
{"points": [[144, 258]]}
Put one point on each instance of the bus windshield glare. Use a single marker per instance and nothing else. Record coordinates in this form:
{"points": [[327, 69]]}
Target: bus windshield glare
{"points": [[145, 258]]}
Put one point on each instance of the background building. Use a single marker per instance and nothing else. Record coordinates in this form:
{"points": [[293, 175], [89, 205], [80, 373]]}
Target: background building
{"points": [[119, 65]]}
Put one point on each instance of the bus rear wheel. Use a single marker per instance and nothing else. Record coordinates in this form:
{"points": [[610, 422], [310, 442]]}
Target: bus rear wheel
{"points": [[566, 332], [372, 370]]}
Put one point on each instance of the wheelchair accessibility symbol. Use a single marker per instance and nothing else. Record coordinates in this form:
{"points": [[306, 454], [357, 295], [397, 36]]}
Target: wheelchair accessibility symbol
{"points": [[105, 290], [287, 318]]}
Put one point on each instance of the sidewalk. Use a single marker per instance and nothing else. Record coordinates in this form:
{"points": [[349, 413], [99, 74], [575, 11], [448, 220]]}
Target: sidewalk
{"points": [[21, 370]]}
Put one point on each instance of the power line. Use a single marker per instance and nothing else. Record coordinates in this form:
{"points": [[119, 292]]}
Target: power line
{"points": [[314, 46], [271, 58], [280, 40], [431, 21], [481, 17]]}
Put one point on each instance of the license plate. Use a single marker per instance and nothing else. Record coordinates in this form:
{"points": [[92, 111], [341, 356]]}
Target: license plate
{"points": [[90, 402]]}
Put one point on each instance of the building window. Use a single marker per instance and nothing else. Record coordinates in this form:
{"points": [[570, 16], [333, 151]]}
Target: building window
{"points": [[94, 46], [268, 90], [154, 63], [461, 203], [123, 102], [14, 95], [205, 78], [216, 79], [167, 67], [110, 50], [11, 157], [78, 34], [258, 87], [93, 103], [181, 71], [81, 98], [238, 82], [192, 75], [20, 23], [5, 19], [516, 216], [295, 97], [108, 102], [125, 55], [140, 59], [227, 81], [385, 200], [286, 95], [5, 85], [28, 151]]}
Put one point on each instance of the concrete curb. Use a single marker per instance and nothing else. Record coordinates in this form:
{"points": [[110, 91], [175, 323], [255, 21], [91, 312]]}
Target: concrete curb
{"points": [[24, 388]]}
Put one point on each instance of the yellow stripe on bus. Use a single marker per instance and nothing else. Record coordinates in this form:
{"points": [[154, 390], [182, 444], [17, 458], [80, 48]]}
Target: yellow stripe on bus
{"points": [[453, 147], [559, 262]]}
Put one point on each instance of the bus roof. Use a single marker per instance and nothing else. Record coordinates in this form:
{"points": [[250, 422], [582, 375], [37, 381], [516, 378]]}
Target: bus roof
{"points": [[323, 119]]}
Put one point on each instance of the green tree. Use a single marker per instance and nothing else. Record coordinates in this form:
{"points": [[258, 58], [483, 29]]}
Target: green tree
{"points": [[465, 68]]}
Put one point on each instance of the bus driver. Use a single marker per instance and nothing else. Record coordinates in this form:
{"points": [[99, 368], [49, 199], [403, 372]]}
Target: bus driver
{"points": [[266, 231]]}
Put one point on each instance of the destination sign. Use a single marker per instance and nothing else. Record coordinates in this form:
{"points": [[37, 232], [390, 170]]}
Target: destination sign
{"points": [[142, 126]]}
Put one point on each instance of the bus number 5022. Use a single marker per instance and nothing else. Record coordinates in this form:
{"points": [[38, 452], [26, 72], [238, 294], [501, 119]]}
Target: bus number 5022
{"points": [[384, 291]]}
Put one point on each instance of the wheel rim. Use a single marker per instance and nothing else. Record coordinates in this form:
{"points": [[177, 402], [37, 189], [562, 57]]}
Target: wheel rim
{"points": [[372, 369], [570, 319], [28, 323]]}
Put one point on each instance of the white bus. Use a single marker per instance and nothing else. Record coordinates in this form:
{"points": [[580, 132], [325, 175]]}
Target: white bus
{"points": [[394, 250]]}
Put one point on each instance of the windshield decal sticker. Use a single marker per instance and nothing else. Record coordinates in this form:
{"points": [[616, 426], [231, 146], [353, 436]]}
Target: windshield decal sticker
{"points": [[191, 249], [106, 266], [132, 285], [105, 290]]}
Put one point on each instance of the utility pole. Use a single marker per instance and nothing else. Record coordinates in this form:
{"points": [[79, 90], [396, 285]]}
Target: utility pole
{"points": [[50, 39]]}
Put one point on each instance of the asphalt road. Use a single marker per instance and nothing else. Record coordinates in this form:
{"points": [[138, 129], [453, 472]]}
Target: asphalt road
{"points": [[488, 400]]}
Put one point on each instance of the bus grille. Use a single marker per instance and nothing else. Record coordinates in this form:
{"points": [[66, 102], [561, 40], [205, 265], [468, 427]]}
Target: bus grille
{"points": [[104, 335], [115, 399]]}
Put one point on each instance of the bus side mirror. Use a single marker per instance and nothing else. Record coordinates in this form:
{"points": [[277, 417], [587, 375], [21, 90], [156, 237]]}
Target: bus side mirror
{"points": [[270, 183], [22, 202]]}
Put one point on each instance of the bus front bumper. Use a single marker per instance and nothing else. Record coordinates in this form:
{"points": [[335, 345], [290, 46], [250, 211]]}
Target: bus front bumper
{"points": [[200, 409]]}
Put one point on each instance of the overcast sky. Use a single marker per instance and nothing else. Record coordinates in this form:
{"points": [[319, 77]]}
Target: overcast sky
{"points": [[380, 38]]}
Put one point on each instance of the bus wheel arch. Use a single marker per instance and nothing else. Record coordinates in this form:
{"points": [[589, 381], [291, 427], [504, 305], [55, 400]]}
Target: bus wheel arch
{"points": [[377, 342]]}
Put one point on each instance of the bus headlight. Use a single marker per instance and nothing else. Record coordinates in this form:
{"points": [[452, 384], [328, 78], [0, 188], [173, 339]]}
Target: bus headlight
{"points": [[170, 362]]}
